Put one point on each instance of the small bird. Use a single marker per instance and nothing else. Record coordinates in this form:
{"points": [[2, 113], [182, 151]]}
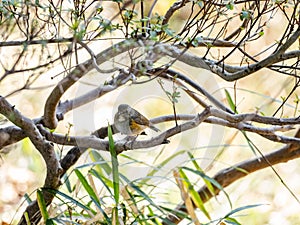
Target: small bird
{"points": [[130, 122]]}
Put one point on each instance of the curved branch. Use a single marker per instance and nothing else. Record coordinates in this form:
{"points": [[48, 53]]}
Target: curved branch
{"points": [[268, 132], [161, 50], [125, 144], [46, 149], [274, 58], [255, 118], [80, 70], [192, 83], [228, 72], [231, 174], [176, 6], [74, 154], [90, 96], [96, 141], [10, 135]]}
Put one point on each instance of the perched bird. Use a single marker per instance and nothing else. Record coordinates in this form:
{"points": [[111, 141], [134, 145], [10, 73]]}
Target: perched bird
{"points": [[130, 122]]}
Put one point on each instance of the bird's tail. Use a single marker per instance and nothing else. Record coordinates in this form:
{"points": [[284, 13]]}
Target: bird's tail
{"points": [[154, 128]]}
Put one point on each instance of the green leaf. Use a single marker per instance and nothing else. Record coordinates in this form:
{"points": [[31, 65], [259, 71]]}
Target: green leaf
{"points": [[211, 180], [163, 163], [153, 35], [200, 3], [99, 9], [176, 94], [69, 198], [145, 19], [152, 215], [154, 169], [231, 220], [67, 183], [250, 143], [261, 33], [230, 101], [228, 217], [115, 172], [135, 210], [169, 32], [105, 181], [27, 218], [208, 184], [42, 205], [141, 193], [115, 165], [241, 209], [97, 157], [244, 15], [194, 194], [49, 222], [86, 185], [230, 5], [27, 198]]}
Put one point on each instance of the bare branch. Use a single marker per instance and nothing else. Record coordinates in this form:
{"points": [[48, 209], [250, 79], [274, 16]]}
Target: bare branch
{"points": [[176, 6], [232, 121], [46, 149], [80, 70], [10, 135]]}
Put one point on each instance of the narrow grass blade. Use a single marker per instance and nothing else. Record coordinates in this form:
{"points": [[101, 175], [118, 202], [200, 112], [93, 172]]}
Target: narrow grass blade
{"points": [[193, 193], [86, 185], [211, 180], [96, 157], [230, 101], [115, 172], [185, 196], [207, 183], [72, 200], [42, 205]]}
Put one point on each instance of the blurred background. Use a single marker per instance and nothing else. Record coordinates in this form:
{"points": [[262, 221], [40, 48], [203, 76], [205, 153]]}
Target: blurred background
{"points": [[22, 169]]}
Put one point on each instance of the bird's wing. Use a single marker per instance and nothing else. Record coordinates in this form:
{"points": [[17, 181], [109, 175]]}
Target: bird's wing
{"points": [[140, 119]]}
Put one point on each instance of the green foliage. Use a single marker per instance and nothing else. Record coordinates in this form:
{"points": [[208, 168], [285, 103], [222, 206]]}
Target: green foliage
{"points": [[194, 194], [230, 101], [230, 5], [195, 41], [172, 96], [115, 173], [228, 217], [234, 108], [200, 3], [210, 180], [245, 14], [121, 199], [43, 208], [98, 189], [87, 186], [261, 33], [69, 200], [128, 16], [197, 167]]}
